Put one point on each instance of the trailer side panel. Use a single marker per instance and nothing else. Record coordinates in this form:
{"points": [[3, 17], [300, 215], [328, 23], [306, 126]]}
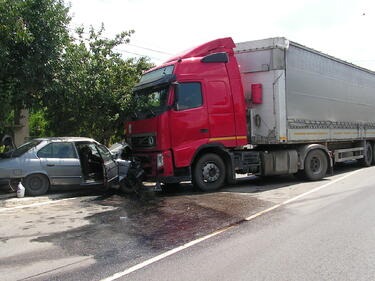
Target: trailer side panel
{"points": [[327, 99]]}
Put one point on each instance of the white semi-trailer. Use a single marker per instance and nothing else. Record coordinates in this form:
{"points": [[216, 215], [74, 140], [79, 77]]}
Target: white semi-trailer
{"points": [[309, 100]]}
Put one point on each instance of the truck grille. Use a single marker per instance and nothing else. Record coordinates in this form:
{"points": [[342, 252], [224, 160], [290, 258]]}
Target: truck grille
{"points": [[143, 141]]}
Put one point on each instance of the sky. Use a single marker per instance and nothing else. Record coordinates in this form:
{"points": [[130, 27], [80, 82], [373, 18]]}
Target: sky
{"points": [[163, 28]]}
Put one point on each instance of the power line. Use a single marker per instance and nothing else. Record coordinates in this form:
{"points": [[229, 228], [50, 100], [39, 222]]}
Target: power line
{"points": [[138, 54], [137, 46], [149, 49]]}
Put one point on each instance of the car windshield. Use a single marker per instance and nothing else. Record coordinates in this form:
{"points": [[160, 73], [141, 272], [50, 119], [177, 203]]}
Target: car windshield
{"points": [[150, 102], [25, 148]]}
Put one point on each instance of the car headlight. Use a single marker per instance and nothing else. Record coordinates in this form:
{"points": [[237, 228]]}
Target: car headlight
{"points": [[159, 161]]}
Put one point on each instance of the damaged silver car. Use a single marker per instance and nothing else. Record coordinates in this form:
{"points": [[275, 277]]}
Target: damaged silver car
{"points": [[45, 162]]}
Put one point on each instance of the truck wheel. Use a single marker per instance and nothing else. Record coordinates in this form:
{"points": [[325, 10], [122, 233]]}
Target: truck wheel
{"points": [[36, 184], [209, 172], [316, 165], [366, 161]]}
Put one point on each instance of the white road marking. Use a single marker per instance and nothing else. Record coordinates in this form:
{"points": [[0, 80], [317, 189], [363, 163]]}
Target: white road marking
{"points": [[300, 196], [37, 204], [194, 242], [164, 255]]}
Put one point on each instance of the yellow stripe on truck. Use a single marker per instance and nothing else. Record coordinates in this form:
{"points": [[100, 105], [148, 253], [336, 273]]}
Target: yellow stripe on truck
{"points": [[228, 138]]}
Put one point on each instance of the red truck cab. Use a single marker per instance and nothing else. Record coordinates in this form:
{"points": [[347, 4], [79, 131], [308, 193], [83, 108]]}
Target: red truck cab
{"points": [[190, 107]]}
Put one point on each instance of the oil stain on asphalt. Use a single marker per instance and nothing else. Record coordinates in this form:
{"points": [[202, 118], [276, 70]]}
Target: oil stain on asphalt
{"points": [[137, 228]]}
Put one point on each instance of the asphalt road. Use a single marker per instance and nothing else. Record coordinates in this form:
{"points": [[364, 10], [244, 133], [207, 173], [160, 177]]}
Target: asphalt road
{"points": [[325, 235]]}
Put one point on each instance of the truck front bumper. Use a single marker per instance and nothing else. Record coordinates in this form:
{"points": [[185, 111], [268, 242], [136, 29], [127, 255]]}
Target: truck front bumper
{"points": [[158, 166]]}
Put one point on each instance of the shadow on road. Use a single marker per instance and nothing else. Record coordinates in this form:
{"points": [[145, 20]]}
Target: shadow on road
{"points": [[255, 184]]}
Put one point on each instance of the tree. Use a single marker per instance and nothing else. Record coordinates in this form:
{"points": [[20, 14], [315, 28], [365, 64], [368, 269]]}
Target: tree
{"points": [[33, 34], [91, 93]]}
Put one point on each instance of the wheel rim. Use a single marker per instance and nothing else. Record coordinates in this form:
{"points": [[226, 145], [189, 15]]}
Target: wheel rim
{"points": [[315, 165], [35, 183], [210, 172]]}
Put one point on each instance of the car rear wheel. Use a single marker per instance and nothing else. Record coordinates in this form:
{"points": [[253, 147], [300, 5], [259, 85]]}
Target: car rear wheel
{"points": [[36, 184]]}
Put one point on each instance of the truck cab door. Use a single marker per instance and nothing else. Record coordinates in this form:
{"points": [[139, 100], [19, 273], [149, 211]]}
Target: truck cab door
{"points": [[188, 121], [220, 111], [109, 164]]}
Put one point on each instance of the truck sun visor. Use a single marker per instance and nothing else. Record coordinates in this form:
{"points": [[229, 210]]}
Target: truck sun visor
{"points": [[165, 79]]}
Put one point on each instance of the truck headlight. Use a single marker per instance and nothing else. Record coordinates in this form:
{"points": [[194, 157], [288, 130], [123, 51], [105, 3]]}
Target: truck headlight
{"points": [[159, 160]]}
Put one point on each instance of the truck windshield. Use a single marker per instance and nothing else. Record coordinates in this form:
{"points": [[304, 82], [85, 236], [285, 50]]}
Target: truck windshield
{"points": [[149, 103]]}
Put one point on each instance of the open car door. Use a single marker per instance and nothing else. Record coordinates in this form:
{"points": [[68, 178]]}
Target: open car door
{"points": [[109, 164]]}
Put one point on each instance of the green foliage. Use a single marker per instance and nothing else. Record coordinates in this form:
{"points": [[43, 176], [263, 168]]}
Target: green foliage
{"points": [[91, 93], [73, 86], [38, 124], [33, 34]]}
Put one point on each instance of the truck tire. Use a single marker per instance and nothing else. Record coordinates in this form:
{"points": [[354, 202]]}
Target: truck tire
{"points": [[209, 172], [366, 161], [36, 184], [316, 165]]}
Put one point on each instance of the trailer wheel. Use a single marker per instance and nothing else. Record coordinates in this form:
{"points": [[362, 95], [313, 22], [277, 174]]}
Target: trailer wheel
{"points": [[316, 165], [209, 172], [366, 161]]}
